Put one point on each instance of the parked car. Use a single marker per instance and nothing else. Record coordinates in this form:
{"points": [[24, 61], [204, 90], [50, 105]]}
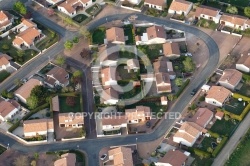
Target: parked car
{"points": [[103, 157], [194, 91], [188, 54]]}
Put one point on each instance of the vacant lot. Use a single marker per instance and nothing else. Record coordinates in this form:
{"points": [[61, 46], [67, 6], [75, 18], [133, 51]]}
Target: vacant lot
{"points": [[224, 127]]}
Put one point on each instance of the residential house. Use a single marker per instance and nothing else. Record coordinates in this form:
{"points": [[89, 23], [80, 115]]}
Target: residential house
{"points": [[25, 90], [109, 96], [243, 63], [219, 115], [108, 76], [180, 7], [202, 117], [27, 38], [53, 2], [208, 13], [70, 7], [163, 65], [138, 114], [164, 100], [217, 95], [5, 63], [115, 35], [154, 35], [233, 21], [188, 133], [6, 20], [108, 55], [230, 78], [133, 1], [57, 77], [158, 5], [173, 158], [171, 50], [70, 120], [149, 77], [163, 83], [24, 25], [247, 24], [120, 156], [133, 64], [8, 109], [32, 128], [112, 122], [67, 159]]}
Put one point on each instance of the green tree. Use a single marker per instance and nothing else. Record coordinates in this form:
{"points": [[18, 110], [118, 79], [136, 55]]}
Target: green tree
{"points": [[77, 74], [68, 44], [189, 65], [4, 93], [60, 60], [5, 47], [10, 95], [20, 8], [178, 81], [247, 11], [170, 97], [75, 39], [20, 53], [232, 10], [36, 156], [18, 82], [32, 102]]}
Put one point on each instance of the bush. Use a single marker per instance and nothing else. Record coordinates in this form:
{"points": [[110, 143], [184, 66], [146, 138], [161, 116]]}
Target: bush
{"points": [[213, 134], [182, 88], [5, 47], [201, 154], [219, 147], [76, 40], [202, 98]]}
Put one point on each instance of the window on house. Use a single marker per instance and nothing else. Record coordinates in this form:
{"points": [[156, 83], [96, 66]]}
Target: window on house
{"points": [[214, 102]]}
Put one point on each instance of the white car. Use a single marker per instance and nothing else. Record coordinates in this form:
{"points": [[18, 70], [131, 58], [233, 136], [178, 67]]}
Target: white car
{"points": [[103, 157], [188, 54]]}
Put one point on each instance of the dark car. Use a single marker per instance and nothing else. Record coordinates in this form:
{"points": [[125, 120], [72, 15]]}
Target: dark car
{"points": [[194, 91]]}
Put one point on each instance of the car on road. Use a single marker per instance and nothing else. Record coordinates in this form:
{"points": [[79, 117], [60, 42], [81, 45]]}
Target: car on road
{"points": [[194, 91], [103, 157]]}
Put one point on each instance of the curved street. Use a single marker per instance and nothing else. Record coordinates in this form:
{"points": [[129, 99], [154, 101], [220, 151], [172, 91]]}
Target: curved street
{"points": [[93, 146]]}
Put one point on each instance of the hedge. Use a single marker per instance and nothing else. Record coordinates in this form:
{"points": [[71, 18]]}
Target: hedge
{"points": [[182, 88], [220, 146], [199, 152], [73, 94], [213, 134], [237, 96], [14, 126], [238, 117]]}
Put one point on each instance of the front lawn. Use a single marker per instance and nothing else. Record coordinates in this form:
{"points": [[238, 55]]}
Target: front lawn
{"points": [[80, 18], [240, 156], [152, 51], [234, 106], [3, 75], [224, 127], [65, 108], [125, 75], [207, 24], [98, 35], [128, 31]]}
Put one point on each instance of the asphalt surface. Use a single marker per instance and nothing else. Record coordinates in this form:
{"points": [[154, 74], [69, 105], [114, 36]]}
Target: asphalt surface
{"points": [[93, 146]]}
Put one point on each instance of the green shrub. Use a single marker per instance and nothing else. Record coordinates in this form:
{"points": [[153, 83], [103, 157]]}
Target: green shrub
{"points": [[5, 47], [201, 153], [202, 98], [219, 147], [182, 88]]}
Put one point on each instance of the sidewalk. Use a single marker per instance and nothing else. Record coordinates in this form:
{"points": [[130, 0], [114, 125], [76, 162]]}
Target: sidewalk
{"points": [[233, 142]]}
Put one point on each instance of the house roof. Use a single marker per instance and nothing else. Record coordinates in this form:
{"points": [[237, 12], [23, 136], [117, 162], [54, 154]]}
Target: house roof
{"points": [[209, 11], [26, 88], [67, 159], [68, 5], [55, 104], [156, 32], [132, 63], [180, 5], [4, 61], [219, 114], [108, 73], [140, 112], [234, 19], [69, 119], [115, 34], [27, 36], [164, 98], [231, 76], [109, 93], [6, 56], [189, 131], [162, 65], [37, 125], [156, 2], [174, 158], [218, 93], [7, 106], [245, 60], [202, 116], [163, 83], [114, 120], [3, 15], [59, 74], [171, 48], [122, 156], [28, 23]]}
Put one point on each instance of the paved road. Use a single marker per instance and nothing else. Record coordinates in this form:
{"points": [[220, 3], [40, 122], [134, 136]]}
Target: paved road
{"points": [[93, 146]]}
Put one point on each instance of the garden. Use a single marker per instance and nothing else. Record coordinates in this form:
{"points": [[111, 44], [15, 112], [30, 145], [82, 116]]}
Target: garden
{"points": [[125, 75], [235, 106], [3, 75], [207, 24], [94, 10], [98, 35], [126, 54], [225, 126], [70, 104], [129, 32], [152, 51], [80, 18]]}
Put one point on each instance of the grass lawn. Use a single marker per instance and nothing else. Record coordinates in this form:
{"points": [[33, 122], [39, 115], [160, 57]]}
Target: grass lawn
{"points": [[140, 30], [202, 162], [3, 75], [2, 149], [98, 35], [152, 51], [126, 54], [235, 106], [240, 156], [92, 9], [64, 108], [80, 18], [123, 73], [128, 31], [206, 143], [130, 93], [224, 127]]}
